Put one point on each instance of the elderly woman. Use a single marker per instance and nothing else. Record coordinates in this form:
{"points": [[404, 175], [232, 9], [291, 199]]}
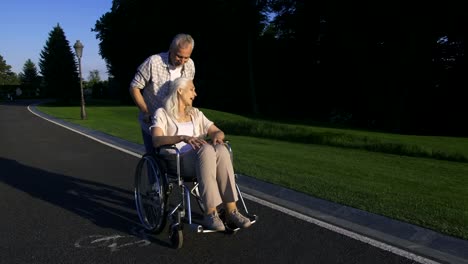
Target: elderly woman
{"points": [[185, 126]]}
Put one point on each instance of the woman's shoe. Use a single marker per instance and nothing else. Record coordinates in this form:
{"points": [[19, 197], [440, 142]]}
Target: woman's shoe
{"points": [[237, 219], [213, 222]]}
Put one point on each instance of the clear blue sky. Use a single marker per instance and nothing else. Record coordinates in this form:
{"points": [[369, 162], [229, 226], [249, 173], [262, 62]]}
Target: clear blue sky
{"points": [[25, 26]]}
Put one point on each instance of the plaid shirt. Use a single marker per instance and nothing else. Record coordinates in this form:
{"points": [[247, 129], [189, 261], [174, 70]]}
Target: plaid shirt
{"points": [[153, 77]]}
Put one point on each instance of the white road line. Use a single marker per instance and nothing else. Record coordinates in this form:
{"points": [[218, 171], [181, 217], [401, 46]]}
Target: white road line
{"points": [[86, 135], [306, 218], [342, 231]]}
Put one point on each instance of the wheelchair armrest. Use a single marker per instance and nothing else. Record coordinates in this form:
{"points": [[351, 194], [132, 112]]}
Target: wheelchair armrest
{"points": [[167, 147], [227, 143]]}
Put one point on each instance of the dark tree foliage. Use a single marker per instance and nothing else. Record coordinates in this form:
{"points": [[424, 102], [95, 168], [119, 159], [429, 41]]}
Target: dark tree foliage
{"points": [[58, 66], [135, 29], [7, 77], [383, 61], [378, 64], [30, 79], [286, 63], [130, 32], [372, 64]]}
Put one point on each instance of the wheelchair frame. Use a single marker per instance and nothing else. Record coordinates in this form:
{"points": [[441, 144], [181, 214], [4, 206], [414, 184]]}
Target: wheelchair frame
{"points": [[153, 186]]}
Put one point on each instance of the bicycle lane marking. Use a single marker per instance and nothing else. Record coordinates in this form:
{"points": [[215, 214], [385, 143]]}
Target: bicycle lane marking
{"points": [[113, 242]]}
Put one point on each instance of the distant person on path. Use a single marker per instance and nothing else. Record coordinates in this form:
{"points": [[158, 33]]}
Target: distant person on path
{"points": [[150, 84], [187, 127], [18, 92]]}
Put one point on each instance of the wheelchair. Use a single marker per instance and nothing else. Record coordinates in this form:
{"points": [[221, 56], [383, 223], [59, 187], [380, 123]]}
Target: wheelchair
{"points": [[163, 195]]}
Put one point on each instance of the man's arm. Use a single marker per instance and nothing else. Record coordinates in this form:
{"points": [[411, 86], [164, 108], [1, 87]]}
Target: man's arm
{"points": [[140, 103]]}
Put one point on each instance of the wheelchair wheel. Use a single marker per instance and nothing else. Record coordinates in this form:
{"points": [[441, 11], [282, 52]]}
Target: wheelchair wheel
{"points": [[176, 237], [150, 194]]}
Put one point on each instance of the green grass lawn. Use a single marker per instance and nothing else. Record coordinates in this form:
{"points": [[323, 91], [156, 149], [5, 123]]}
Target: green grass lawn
{"points": [[418, 179]]}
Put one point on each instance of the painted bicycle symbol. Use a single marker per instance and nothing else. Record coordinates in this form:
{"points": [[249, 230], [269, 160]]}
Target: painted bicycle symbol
{"points": [[113, 242]]}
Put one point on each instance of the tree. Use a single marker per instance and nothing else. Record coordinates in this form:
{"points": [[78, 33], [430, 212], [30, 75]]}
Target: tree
{"points": [[95, 84], [59, 67], [94, 77], [229, 34], [373, 60], [278, 59], [7, 77], [30, 79]]}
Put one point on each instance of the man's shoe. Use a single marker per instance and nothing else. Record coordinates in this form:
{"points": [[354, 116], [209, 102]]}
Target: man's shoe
{"points": [[237, 219], [213, 222]]}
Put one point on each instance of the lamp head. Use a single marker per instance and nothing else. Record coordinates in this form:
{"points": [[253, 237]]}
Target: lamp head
{"points": [[78, 48]]}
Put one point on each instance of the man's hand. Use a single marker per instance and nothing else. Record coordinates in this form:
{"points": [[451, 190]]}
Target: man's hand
{"points": [[147, 118]]}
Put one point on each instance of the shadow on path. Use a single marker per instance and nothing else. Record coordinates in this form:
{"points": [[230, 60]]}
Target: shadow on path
{"points": [[104, 205]]}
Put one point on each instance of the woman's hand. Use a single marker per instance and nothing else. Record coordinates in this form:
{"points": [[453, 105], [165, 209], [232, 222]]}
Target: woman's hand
{"points": [[195, 142], [218, 138]]}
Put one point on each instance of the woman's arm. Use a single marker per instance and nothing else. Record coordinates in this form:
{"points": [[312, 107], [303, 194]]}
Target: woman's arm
{"points": [[160, 140], [216, 135]]}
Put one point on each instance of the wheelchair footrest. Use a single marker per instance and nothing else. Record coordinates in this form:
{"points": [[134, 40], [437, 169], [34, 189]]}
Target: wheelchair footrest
{"points": [[196, 228], [231, 228], [253, 218], [199, 228]]}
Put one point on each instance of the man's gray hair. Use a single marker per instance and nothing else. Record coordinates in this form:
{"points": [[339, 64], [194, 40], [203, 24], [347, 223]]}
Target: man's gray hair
{"points": [[181, 41]]}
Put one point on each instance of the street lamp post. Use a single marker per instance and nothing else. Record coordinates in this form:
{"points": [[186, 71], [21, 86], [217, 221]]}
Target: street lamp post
{"points": [[79, 52]]}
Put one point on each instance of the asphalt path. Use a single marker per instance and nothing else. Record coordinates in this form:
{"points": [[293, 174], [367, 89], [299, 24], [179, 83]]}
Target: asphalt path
{"points": [[67, 198]]}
